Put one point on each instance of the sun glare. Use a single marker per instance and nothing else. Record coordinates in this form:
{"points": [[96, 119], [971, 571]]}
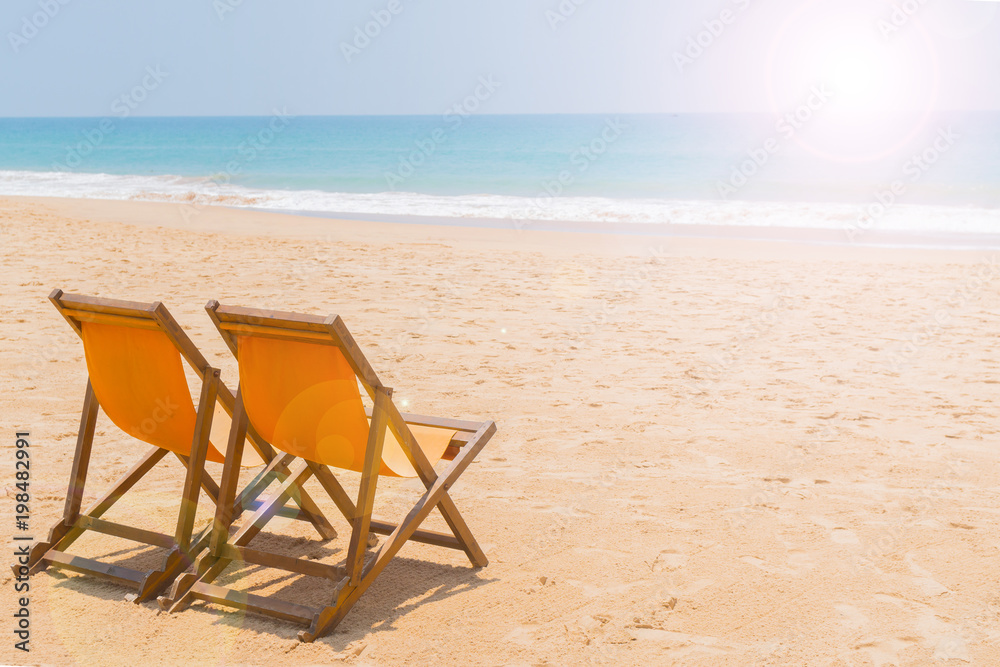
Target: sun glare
{"points": [[882, 86], [856, 76]]}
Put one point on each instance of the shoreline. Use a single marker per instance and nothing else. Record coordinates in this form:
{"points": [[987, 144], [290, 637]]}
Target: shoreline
{"points": [[710, 241], [796, 235]]}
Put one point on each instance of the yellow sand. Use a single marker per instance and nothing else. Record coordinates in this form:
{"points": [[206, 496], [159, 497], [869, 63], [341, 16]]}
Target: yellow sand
{"points": [[709, 452]]}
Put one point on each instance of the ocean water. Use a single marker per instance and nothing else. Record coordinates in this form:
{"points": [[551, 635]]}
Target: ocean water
{"points": [[930, 173]]}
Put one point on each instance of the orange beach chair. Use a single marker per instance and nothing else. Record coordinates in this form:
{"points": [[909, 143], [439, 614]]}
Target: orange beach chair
{"points": [[133, 353], [298, 389]]}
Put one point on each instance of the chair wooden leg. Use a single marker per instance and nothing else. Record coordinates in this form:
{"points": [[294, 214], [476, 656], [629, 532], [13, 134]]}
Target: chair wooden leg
{"points": [[181, 555], [230, 476], [309, 507], [308, 511], [366, 491], [54, 549], [77, 481], [197, 586], [327, 619], [296, 477], [211, 564], [199, 451], [427, 475], [208, 484], [462, 532], [278, 465], [178, 597], [61, 536], [314, 514], [81, 459], [227, 509], [333, 488], [154, 582]]}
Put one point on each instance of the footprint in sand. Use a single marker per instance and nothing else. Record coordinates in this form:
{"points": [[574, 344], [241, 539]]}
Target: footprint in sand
{"points": [[837, 534], [948, 643], [884, 652], [924, 579], [681, 645], [669, 560], [764, 566], [853, 617], [587, 629], [844, 536], [935, 633], [801, 561], [524, 635]]}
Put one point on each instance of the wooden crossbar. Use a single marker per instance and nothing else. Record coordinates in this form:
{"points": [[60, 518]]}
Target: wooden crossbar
{"points": [[466, 427], [274, 332], [423, 536], [117, 320], [288, 611], [127, 532], [278, 318], [99, 305], [121, 575], [287, 563]]}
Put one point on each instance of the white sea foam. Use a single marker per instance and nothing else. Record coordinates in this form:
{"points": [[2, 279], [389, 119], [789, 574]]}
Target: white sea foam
{"points": [[906, 218]]}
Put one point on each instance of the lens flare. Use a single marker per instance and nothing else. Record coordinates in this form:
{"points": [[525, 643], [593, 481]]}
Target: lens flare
{"points": [[856, 75], [883, 85]]}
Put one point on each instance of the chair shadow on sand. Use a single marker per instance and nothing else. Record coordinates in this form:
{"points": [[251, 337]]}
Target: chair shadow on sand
{"points": [[405, 585]]}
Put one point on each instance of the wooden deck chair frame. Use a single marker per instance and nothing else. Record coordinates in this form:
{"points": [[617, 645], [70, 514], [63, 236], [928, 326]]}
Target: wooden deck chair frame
{"points": [[183, 546], [357, 574]]}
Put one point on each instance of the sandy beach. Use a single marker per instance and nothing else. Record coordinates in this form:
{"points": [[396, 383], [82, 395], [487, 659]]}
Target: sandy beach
{"points": [[708, 452]]}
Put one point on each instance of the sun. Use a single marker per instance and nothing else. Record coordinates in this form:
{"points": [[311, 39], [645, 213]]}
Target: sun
{"points": [[858, 76], [880, 90]]}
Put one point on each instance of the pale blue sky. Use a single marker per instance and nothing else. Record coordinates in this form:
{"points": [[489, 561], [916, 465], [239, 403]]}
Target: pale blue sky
{"points": [[608, 56]]}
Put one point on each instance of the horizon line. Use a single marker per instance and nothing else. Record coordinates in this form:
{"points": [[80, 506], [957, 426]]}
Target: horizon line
{"points": [[436, 115]]}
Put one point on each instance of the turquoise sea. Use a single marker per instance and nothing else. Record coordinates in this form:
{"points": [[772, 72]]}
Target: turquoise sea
{"points": [[938, 172]]}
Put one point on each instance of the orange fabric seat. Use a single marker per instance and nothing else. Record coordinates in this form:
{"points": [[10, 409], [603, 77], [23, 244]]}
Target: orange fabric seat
{"points": [[303, 398], [139, 380]]}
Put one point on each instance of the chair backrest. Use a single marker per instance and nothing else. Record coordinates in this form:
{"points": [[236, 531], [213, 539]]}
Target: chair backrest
{"points": [[133, 352], [299, 379]]}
